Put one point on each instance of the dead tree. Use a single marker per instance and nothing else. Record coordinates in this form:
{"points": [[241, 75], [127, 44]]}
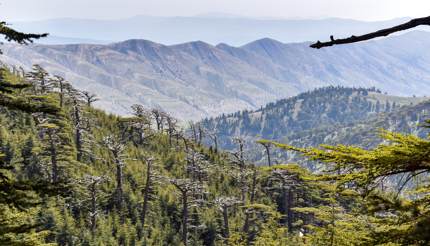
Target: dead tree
{"points": [[89, 98], [197, 166], [61, 84], [267, 145], [238, 159], [214, 137], [381, 33], [117, 148], [78, 125], [197, 132], [159, 117], [201, 133], [171, 127], [187, 189], [139, 126], [40, 80], [188, 144], [92, 183], [224, 204], [152, 178], [81, 122], [246, 224]]}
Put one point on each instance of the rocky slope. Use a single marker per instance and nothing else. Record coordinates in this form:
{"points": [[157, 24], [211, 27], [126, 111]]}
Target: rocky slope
{"points": [[196, 80]]}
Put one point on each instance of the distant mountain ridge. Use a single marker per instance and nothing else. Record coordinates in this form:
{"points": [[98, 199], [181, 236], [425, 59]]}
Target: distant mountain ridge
{"points": [[195, 80], [213, 28]]}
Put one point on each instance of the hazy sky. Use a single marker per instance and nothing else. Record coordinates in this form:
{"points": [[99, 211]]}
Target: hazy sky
{"points": [[112, 9]]}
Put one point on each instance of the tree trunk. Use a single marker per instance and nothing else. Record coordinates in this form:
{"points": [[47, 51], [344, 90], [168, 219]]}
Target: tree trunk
{"points": [[53, 152], [226, 225], [185, 217], [252, 199], [93, 191], [119, 191], [78, 135], [146, 192], [289, 210], [268, 155]]}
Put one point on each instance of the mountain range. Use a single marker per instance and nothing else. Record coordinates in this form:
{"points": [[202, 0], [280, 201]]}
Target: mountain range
{"points": [[195, 80], [211, 28]]}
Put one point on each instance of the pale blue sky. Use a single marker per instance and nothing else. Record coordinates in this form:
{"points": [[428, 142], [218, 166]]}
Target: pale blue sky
{"points": [[112, 9]]}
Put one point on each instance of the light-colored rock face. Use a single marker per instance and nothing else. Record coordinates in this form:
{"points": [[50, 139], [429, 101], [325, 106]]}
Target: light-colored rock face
{"points": [[196, 80]]}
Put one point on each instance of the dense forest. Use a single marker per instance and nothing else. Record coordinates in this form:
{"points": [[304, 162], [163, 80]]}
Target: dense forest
{"points": [[73, 175], [328, 115]]}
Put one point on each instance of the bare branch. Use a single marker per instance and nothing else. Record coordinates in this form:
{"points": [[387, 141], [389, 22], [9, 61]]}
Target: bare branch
{"points": [[381, 33]]}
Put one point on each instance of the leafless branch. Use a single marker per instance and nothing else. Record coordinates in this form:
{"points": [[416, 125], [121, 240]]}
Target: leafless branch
{"points": [[381, 33]]}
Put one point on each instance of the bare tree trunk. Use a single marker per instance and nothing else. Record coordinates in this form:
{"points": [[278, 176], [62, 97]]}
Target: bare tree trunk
{"points": [[146, 192], [93, 191], [226, 224], [200, 134], [268, 155], [119, 184], [251, 200], [54, 163], [78, 134], [185, 217], [289, 210]]}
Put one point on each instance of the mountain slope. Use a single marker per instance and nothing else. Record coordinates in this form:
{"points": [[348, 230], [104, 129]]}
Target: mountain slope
{"points": [[196, 80], [332, 115]]}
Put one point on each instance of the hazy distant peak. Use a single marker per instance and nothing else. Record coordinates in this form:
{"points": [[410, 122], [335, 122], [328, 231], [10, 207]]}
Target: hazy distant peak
{"points": [[137, 42], [224, 46], [219, 15], [173, 30], [195, 46], [264, 42]]}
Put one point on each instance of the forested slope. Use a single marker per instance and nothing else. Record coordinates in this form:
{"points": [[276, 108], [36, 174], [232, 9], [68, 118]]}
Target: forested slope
{"points": [[73, 175], [329, 115]]}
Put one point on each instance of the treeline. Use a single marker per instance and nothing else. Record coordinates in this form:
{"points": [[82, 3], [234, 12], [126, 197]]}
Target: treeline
{"points": [[308, 110]]}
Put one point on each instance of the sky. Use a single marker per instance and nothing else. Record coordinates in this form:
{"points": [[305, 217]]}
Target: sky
{"points": [[14, 10]]}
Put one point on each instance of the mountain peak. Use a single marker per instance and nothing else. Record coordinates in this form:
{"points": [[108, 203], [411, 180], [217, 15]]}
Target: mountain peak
{"points": [[137, 42], [194, 44], [264, 42], [136, 45]]}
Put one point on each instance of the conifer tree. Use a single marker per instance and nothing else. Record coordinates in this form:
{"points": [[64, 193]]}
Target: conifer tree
{"points": [[267, 145], [224, 204], [187, 189], [92, 184], [117, 150], [89, 98]]}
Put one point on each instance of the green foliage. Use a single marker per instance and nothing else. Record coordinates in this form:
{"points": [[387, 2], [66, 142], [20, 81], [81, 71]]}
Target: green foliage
{"points": [[391, 179], [74, 175]]}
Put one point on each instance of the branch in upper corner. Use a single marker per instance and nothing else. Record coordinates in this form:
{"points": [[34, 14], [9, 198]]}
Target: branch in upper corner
{"points": [[381, 33], [19, 37]]}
